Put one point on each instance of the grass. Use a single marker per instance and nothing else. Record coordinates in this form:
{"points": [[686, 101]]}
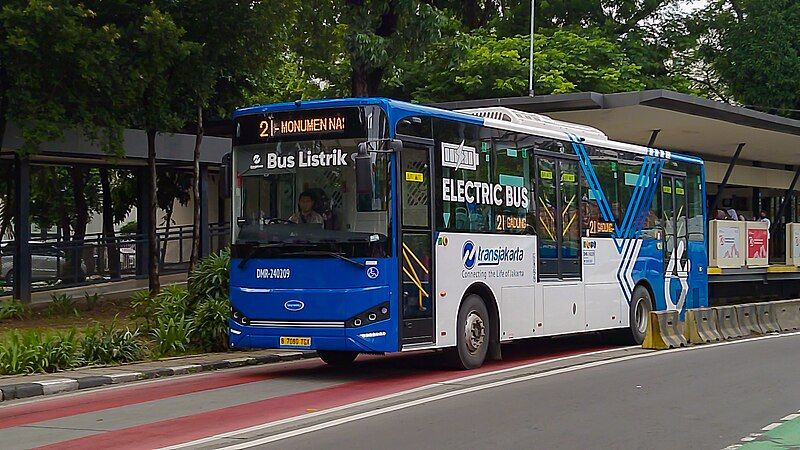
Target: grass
{"points": [[40, 317]]}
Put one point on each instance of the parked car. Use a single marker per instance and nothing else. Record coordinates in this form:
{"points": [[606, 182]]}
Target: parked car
{"points": [[48, 263]]}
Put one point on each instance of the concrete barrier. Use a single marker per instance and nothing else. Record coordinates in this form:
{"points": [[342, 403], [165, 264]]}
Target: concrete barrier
{"points": [[766, 318], [664, 330], [701, 326], [748, 319], [787, 314], [727, 324]]}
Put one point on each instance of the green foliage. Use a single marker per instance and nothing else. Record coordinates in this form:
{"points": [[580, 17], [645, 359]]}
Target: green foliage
{"points": [[92, 301], [211, 323], [13, 309], [484, 65], [62, 305], [753, 48], [55, 59], [173, 301], [32, 351], [144, 307], [211, 278], [110, 344], [129, 228], [172, 335]]}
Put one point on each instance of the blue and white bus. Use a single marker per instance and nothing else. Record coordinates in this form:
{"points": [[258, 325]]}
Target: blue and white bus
{"points": [[372, 225]]}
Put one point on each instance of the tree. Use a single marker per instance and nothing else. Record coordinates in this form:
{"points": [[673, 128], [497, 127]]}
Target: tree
{"points": [[55, 68], [752, 47], [225, 65], [152, 54], [351, 47], [481, 65]]}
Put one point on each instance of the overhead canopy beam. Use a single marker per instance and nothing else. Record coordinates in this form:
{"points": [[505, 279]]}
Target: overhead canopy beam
{"points": [[653, 137], [725, 179]]}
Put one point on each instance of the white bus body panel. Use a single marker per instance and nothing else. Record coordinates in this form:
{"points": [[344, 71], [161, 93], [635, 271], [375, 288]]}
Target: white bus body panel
{"points": [[454, 275], [528, 308]]}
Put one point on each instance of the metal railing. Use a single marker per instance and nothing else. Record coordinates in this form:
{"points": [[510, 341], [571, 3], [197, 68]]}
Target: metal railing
{"points": [[57, 263]]}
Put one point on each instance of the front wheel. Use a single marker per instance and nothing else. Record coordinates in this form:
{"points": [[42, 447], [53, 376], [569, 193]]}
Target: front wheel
{"points": [[641, 305], [472, 334], [337, 359]]}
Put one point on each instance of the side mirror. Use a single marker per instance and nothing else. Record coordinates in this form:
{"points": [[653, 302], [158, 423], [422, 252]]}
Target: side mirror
{"points": [[364, 176]]}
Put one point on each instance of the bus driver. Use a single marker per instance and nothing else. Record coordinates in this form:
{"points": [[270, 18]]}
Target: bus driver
{"points": [[306, 213]]}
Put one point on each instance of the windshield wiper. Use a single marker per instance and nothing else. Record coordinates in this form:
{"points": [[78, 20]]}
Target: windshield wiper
{"points": [[256, 247], [327, 253]]}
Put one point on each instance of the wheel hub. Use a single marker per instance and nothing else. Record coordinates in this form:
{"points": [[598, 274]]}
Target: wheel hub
{"points": [[474, 332], [642, 311]]}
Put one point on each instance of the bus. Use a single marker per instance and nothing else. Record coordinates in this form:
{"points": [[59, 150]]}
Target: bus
{"points": [[372, 225]]}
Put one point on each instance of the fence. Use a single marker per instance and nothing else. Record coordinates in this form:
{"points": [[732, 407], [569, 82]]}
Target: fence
{"points": [[57, 263]]}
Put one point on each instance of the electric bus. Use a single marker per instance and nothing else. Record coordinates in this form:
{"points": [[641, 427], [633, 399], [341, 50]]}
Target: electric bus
{"points": [[372, 225]]}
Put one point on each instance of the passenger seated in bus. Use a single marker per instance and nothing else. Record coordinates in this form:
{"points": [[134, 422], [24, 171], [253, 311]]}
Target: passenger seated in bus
{"points": [[306, 213]]}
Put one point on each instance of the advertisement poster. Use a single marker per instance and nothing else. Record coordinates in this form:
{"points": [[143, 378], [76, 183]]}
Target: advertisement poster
{"points": [[727, 240], [756, 243], [796, 242]]}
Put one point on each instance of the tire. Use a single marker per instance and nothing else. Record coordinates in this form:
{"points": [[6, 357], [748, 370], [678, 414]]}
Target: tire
{"points": [[336, 358], [641, 305], [473, 331]]}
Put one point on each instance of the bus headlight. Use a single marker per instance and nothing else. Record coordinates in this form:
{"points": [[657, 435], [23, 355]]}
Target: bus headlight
{"points": [[375, 314]]}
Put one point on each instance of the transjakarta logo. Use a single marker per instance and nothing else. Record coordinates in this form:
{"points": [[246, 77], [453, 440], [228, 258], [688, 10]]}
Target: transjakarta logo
{"points": [[489, 256]]}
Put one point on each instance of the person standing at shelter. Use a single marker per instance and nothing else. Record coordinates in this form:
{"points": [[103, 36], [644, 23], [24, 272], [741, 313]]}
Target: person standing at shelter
{"points": [[763, 218]]}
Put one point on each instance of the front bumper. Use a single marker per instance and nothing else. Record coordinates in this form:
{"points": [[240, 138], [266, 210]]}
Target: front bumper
{"points": [[378, 337]]}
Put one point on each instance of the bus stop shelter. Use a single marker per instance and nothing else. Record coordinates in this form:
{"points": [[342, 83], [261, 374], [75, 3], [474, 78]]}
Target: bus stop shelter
{"points": [[752, 159], [174, 150]]}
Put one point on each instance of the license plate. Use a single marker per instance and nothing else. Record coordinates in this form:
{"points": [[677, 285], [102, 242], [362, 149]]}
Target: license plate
{"points": [[296, 341]]}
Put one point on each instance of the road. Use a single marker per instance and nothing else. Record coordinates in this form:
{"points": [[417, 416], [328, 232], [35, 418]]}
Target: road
{"points": [[555, 393]]}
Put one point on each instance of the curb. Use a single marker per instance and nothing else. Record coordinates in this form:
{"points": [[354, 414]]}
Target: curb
{"points": [[55, 386]]}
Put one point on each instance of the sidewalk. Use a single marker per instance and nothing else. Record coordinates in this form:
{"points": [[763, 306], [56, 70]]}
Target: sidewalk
{"points": [[24, 386]]}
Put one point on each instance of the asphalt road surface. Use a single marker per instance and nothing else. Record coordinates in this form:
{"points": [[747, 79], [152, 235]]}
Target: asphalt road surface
{"points": [[553, 393]]}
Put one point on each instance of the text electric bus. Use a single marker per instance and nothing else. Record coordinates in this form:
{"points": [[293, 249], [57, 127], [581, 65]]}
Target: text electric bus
{"points": [[372, 225]]}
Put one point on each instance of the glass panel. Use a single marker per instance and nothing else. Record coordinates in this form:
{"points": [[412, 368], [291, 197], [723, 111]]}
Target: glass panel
{"points": [[546, 209], [668, 218], [511, 170], [415, 185], [303, 193], [570, 226], [680, 218], [416, 260], [694, 197]]}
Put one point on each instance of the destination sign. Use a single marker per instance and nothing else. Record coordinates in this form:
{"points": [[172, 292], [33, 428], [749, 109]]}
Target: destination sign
{"points": [[330, 123]]}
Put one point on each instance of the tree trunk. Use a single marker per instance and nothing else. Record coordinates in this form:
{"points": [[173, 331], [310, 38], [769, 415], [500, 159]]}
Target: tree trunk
{"points": [[196, 192], [112, 251], [79, 177], [365, 82], [155, 282]]}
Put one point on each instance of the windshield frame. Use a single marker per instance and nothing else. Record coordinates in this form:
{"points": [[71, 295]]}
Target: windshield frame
{"points": [[278, 236]]}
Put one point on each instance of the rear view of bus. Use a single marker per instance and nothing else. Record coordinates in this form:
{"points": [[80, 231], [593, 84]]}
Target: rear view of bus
{"points": [[311, 255]]}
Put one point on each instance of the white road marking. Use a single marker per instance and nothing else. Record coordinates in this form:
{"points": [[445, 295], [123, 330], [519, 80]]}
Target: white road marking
{"points": [[400, 406], [790, 417], [382, 398], [771, 426]]}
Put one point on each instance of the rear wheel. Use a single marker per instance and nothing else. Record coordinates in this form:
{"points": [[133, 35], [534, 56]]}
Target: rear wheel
{"points": [[641, 305], [336, 358], [472, 334]]}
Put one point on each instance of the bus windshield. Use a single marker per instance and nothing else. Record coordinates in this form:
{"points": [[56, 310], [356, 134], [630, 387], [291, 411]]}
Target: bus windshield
{"points": [[299, 197]]}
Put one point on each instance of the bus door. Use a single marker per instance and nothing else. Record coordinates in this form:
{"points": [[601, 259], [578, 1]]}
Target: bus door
{"points": [[558, 223], [416, 243], [675, 237]]}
